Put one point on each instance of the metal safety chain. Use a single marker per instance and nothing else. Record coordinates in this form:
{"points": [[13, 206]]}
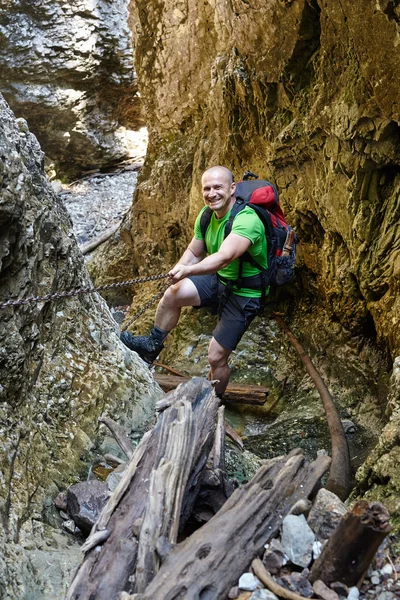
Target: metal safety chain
{"points": [[84, 290], [145, 307]]}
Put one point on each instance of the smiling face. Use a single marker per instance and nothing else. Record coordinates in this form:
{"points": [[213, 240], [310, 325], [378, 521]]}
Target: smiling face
{"points": [[218, 190]]}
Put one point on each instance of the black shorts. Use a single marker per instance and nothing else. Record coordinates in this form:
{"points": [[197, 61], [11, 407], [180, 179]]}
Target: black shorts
{"points": [[237, 314]]}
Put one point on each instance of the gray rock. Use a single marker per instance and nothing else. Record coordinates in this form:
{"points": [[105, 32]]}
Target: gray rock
{"points": [[69, 526], [263, 595], [274, 557], [115, 477], [248, 582], [85, 501], [322, 591], [326, 513], [354, 593], [385, 596], [298, 583], [297, 540], [375, 580]]}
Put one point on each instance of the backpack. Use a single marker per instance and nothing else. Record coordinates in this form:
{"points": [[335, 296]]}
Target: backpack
{"points": [[262, 197]]}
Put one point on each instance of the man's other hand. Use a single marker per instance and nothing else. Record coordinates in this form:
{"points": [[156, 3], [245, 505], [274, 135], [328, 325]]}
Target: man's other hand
{"points": [[178, 272]]}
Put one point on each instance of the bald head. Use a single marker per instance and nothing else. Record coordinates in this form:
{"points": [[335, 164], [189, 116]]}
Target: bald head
{"points": [[219, 171]]}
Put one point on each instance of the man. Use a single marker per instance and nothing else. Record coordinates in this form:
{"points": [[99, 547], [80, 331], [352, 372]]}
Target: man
{"points": [[199, 280]]}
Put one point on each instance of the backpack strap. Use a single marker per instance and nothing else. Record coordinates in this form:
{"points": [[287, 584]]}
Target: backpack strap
{"points": [[205, 221]]}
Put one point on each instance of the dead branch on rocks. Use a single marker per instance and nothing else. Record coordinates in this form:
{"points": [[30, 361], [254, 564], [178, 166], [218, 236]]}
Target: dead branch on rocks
{"points": [[261, 572], [352, 546], [93, 244], [340, 477], [154, 498], [119, 434]]}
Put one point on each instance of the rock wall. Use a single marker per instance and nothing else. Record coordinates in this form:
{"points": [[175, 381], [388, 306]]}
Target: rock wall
{"points": [[61, 362], [67, 68], [300, 92]]}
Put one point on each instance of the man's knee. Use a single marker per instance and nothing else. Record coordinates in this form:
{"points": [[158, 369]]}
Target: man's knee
{"points": [[217, 355], [183, 293]]}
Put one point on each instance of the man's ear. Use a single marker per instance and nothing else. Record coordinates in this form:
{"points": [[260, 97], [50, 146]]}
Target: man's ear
{"points": [[233, 188]]}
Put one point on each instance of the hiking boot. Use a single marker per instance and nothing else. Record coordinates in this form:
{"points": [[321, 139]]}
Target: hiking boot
{"points": [[147, 346]]}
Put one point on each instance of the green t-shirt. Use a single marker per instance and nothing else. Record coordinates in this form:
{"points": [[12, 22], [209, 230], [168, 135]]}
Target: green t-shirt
{"points": [[248, 225]]}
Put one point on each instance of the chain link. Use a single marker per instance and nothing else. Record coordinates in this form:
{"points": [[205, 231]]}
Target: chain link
{"points": [[146, 306], [83, 290]]}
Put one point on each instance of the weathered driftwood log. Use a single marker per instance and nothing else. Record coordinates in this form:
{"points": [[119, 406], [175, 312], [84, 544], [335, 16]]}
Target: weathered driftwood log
{"points": [[215, 486], [340, 476], [235, 392], [159, 486], [352, 546], [207, 564]]}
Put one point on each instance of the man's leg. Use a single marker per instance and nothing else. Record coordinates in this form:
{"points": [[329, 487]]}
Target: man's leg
{"points": [[149, 347], [169, 308], [218, 359], [237, 314]]}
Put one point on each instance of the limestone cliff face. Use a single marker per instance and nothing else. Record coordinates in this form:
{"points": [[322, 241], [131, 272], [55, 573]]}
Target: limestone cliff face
{"points": [[67, 67], [305, 93], [61, 363]]}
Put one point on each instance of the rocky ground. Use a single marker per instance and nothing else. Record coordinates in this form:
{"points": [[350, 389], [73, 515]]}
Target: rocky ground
{"points": [[99, 200]]}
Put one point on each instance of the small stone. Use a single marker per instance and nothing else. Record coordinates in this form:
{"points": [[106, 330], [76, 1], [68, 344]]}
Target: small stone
{"points": [[233, 593], [322, 591], [375, 580], [274, 557], [386, 570], [263, 595], [297, 582], [354, 593], [61, 501], [316, 549], [249, 582], [340, 588], [69, 526], [385, 596], [65, 516]]}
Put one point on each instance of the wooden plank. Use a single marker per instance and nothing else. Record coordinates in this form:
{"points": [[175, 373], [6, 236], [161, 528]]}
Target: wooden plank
{"points": [[235, 393]]}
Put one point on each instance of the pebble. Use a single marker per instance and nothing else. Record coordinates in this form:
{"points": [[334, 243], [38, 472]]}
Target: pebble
{"points": [[375, 580], [69, 526], [386, 570], [354, 593], [249, 582], [322, 591], [263, 595]]}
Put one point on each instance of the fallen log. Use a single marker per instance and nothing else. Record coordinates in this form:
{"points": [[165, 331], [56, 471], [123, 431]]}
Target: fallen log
{"points": [[206, 565], [235, 392], [153, 499], [352, 546], [340, 475], [92, 245]]}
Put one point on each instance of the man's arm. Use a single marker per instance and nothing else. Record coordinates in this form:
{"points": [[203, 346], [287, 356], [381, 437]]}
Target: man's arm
{"points": [[194, 253], [231, 248]]}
